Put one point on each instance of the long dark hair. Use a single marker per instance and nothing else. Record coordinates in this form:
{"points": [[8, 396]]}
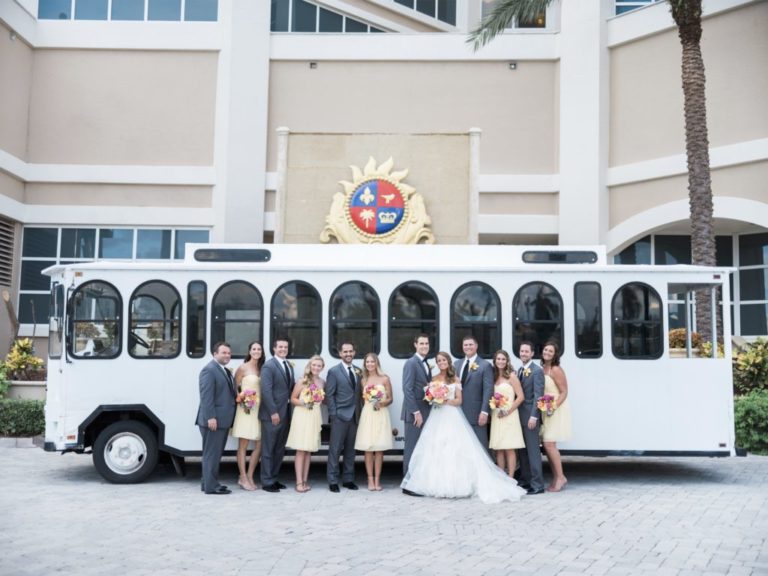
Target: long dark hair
{"points": [[555, 356], [260, 361], [507, 370], [451, 372]]}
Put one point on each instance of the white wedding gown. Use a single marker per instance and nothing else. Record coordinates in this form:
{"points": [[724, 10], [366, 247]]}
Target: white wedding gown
{"points": [[449, 461]]}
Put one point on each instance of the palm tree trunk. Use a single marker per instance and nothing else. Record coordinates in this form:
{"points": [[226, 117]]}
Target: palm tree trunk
{"points": [[687, 16]]}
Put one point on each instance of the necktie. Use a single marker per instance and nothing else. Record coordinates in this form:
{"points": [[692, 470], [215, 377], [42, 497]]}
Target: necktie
{"points": [[352, 379], [465, 372], [426, 367], [287, 372], [520, 373], [230, 382]]}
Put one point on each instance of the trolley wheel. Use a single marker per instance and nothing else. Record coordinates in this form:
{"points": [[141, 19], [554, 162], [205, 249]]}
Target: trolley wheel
{"points": [[125, 452]]}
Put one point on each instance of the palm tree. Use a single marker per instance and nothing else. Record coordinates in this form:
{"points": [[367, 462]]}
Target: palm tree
{"points": [[687, 17]]}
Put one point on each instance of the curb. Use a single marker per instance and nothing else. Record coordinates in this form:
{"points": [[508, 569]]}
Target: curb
{"points": [[6, 442]]}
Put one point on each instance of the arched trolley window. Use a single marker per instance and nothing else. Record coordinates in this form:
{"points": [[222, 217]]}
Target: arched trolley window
{"points": [[413, 309], [637, 322], [155, 321], [237, 316], [475, 309], [95, 316], [538, 316], [297, 314], [354, 310]]}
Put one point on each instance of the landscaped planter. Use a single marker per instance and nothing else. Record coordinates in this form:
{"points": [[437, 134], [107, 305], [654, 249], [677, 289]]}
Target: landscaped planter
{"points": [[27, 389]]}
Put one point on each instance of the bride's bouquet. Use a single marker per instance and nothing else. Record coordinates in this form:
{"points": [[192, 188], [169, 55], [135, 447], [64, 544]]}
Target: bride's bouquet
{"points": [[501, 402], [436, 393], [247, 399], [374, 393], [311, 395], [546, 404]]}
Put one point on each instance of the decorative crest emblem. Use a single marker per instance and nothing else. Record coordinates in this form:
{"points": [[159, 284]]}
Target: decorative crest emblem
{"points": [[376, 207]]}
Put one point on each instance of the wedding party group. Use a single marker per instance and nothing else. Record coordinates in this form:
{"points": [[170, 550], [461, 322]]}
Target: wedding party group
{"points": [[455, 412]]}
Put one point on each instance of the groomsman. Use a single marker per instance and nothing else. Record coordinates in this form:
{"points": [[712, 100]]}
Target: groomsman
{"points": [[343, 398], [416, 376], [531, 376], [215, 415], [277, 381], [476, 388]]}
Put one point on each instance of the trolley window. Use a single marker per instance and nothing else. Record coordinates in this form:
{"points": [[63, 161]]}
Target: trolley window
{"points": [[55, 321], [196, 301], [154, 324], [95, 321], [237, 316], [537, 310], [475, 310], [588, 320], [297, 313], [637, 322], [354, 310], [413, 309]]}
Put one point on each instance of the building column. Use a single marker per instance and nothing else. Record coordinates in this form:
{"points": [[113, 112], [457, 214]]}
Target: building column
{"points": [[473, 208], [584, 117]]}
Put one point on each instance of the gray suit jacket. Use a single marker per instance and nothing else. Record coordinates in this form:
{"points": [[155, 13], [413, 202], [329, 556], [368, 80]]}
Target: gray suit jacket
{"points": [[533, 388], [414, 381], [342, 398], [477, 390], [217, 397], [275, 390]]}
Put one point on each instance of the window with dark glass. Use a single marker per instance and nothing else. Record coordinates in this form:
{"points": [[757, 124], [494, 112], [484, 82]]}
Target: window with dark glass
{"points": [[354, 26], [115, 243], [54, 9], [297, 314], [303, 17], [475, 310], [672, 249], [196, 301], [164, 10], [95, 309], [279, 16], [154, 324], [537, 310], [413, 309], [637, 253], [637, 322], [78, 243], [330, 21], [90, 9], [237, 316], [127, 9], [153, 244], [354, 309], [184, 237], [201, 10], [588, 320]]}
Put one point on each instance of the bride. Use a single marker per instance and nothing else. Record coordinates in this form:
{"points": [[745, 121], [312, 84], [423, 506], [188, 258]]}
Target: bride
{"points": [[449, 461]]}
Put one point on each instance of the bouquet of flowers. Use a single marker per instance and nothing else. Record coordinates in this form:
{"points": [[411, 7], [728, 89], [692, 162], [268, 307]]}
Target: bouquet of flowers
{"points": [[436, 393], [311, 395], [500, 401], [374, 393], [546, 404], [248, 399]]}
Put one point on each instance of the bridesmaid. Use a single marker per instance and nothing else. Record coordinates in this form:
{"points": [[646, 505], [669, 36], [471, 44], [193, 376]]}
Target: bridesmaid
{"points": [[374, 432], [557, 427], [304, 435], [506, 433], [247, 426]]}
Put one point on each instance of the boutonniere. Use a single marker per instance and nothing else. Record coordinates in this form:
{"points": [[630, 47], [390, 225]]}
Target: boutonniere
{"points": [[358, 372], [473, 366], [430, 367], [526, 372], [293, 364]]}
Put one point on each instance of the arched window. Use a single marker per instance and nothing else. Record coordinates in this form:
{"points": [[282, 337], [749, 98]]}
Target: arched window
{"points": [[413, 309], [154, 322], [95, 313], [354, 309], [637, 322], [475, 310], [297, 314], [537, 310], [237, 316]]}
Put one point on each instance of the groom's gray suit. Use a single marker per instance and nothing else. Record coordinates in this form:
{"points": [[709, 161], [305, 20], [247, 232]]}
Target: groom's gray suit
{"points": [[415, 379], [475, 393], [276, 389], [343, 399], [217, 400], [530, 456]]}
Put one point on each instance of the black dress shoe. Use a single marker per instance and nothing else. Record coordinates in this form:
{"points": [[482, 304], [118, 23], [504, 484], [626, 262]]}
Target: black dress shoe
{"points": [[333, 487], [220, 490], [411, 493], [532, 492], [525, 487], [271, 488], [350, 486], [280, 485]]}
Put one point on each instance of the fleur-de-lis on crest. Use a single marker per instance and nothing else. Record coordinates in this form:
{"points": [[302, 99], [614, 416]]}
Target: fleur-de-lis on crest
{"points": [[367, 197]]}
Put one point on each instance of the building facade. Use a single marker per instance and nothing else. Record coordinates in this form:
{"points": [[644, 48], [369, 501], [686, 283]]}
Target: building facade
{"points": [[130, 127]]}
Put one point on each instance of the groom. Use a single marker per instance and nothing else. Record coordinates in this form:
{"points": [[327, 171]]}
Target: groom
{"points": [[342, 396], [476, 388], [531, 376], [416, 376]]}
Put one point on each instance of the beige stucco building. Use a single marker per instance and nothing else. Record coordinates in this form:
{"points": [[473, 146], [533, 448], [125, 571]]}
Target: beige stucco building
{"points": [[126, 134]]}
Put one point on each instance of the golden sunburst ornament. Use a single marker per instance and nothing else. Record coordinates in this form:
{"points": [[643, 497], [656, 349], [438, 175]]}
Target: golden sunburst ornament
{"points": [[377, 207]]}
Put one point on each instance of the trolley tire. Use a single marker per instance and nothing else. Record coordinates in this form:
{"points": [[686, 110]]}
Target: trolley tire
{"points": [[125, 452]]}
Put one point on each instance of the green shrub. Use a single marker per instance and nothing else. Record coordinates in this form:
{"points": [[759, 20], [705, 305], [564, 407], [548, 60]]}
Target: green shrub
{"points": [[677, 338], [751, 415], [705, 350], [4, 384], [750, 367], [22, 417]]}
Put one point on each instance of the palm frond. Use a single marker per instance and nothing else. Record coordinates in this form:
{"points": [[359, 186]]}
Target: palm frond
{"points": [[503, 14]]}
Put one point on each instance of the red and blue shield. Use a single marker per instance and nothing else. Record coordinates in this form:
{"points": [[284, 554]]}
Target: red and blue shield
{"points": [[376, 207]]}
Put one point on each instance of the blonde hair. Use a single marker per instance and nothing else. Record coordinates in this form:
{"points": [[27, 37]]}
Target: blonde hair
{"points": [[373, 355], [306, 378]]}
